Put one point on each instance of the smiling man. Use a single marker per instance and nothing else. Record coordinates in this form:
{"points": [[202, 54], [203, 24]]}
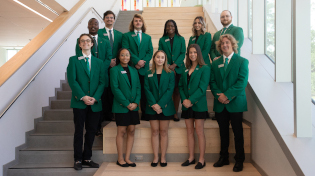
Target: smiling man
{"points": [[229, 77], [228, 28], [140, 46], [101, 50]]}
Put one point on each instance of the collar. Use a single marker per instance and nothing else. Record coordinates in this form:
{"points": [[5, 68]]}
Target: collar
{"points": [[107, 29], [89, 56], [95, 36], [227, 26], [229, 57], [137, 31]]}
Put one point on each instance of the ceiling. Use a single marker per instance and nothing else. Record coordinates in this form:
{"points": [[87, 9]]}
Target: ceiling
{"points": [[19, 25]]}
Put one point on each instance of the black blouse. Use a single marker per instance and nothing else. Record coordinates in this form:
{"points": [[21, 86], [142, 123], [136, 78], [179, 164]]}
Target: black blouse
{"points": [[128, 73]]}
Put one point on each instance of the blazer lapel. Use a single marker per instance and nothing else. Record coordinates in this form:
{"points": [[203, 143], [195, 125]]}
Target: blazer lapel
{"points": [[200, 40], [83, 63], [132, 75], [163, 76], [167, 42], [105, 34], [176, 42], [93, 66], [134, 36], [194, 73], [222, 71], [125, 74], [228, 69], [144, 38], [155, 80]]}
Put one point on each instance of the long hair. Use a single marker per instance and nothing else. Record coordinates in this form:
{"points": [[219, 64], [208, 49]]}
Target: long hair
{"points": [[176, 29], [165, 67], [89, 35], [118, 56], [232, 40], [132, 28], [200, 60], [203, 28]]}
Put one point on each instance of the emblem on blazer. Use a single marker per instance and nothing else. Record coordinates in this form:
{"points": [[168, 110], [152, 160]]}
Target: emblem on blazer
{"points": [[221, 65], [105, 34], [81, 57], [186, 70], [197, 68], [150, 75], [166, 40], [134, 35], [193, 39], [123, 72]]}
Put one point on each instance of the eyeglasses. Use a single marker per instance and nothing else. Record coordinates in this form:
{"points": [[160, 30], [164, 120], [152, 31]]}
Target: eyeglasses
{"points": [[122, 55], [109, 18], [88, 41]]}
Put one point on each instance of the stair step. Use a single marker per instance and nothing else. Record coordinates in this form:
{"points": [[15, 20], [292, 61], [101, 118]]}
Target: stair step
{"points": [[66, 87], [64, 95], [58, 114], [52, 172], [175, 15], [58, 149], [55, 141], [55, 127], [60, 104], [171, 9]]}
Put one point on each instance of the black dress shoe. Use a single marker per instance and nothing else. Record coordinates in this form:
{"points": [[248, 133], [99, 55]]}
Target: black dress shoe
{"points": [[214, 118], [176, 119], [238, 167], [132, 164], [154, 164], [221, 162], [99, 133], [200, 166], [163, 164], [90, 163], [187, 163], [77, 165], [122, 165]]}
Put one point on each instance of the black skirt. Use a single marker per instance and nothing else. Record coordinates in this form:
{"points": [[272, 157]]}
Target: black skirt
{"points": [[190, 114], [160, 117], [126, 119], [177, 78]]}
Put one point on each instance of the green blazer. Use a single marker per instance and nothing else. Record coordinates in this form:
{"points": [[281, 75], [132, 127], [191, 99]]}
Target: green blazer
{"points": [[81, 83], [142, 52], [124, 92], [196, 90], [231, 82], [237, 33], [160, 94], [104, 54], [204, 41], [177, 55], [117, 40]]}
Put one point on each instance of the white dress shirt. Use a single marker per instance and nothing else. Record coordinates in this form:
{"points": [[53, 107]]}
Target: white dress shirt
{"points": [[96, 37], [90, 60], [140, 34], [229, 58], [107, 31]]}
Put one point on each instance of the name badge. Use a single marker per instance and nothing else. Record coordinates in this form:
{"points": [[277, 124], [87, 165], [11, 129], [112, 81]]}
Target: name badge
{"points": [[193, 39], [134, 35], [81, 57], [166, 40], [186, 70], [197, 68], [123, 72], [150, 75], [105, 34], [221, 65]]}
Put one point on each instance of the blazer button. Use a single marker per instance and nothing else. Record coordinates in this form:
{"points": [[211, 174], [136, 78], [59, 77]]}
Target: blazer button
{"points": [[165, 105], [131, 97], [120, 104], [89, 81], [88, 91], [76, 97]]}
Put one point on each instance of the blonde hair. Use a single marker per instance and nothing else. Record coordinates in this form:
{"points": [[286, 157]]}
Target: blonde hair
{"points": [[165, 67], [203, 28], [132, 28], [200, 60], [232, 40]]}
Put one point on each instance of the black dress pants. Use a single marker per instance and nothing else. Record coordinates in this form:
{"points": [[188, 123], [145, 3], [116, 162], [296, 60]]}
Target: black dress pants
{"points": [[236, 119], [90, 119], [143, 100]]}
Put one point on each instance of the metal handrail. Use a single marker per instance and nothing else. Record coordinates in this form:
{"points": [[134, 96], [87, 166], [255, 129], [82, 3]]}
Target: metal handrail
{"points": [[32, 79]]}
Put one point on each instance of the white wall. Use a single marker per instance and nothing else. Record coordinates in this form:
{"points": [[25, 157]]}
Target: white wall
{"points": [[21, 115], [68, 4], [3, 56]]}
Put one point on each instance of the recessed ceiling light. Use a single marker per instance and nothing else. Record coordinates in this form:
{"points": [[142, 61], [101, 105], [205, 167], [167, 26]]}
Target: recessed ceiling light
{"points": [[32, 10]]}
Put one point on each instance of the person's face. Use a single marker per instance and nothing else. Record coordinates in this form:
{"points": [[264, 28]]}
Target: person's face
{"points": [[137, 23], [159, 59], [170, 28], [109, 20], [193, 54], [124, 57], [93, 27], [197, 25], [226, 46], [85, 43], [226, 18]]}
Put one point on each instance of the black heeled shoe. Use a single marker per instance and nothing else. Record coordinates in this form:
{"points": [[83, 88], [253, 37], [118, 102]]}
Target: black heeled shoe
{"points": [[122, 165], [154, 164], [163, 164], [132, 164], [187, 163]]}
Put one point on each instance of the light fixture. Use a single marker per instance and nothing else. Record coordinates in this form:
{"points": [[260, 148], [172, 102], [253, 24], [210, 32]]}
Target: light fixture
{"points": [[32, 10], [47, 7]]}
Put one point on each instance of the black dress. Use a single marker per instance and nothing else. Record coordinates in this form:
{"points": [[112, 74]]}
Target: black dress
{"points": [[159, 116], [131, 117], [190, 113]]}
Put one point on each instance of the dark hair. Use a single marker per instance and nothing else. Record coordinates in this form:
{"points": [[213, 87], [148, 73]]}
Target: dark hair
{"points": [[132, 28], [92, 19], [89, 35], [200, 60], [107, 13], [176, 30], [118, 55]]}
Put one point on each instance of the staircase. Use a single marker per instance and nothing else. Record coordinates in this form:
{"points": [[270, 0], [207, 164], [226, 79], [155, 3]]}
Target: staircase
{"points": [[49, 149], [123, 20]]}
